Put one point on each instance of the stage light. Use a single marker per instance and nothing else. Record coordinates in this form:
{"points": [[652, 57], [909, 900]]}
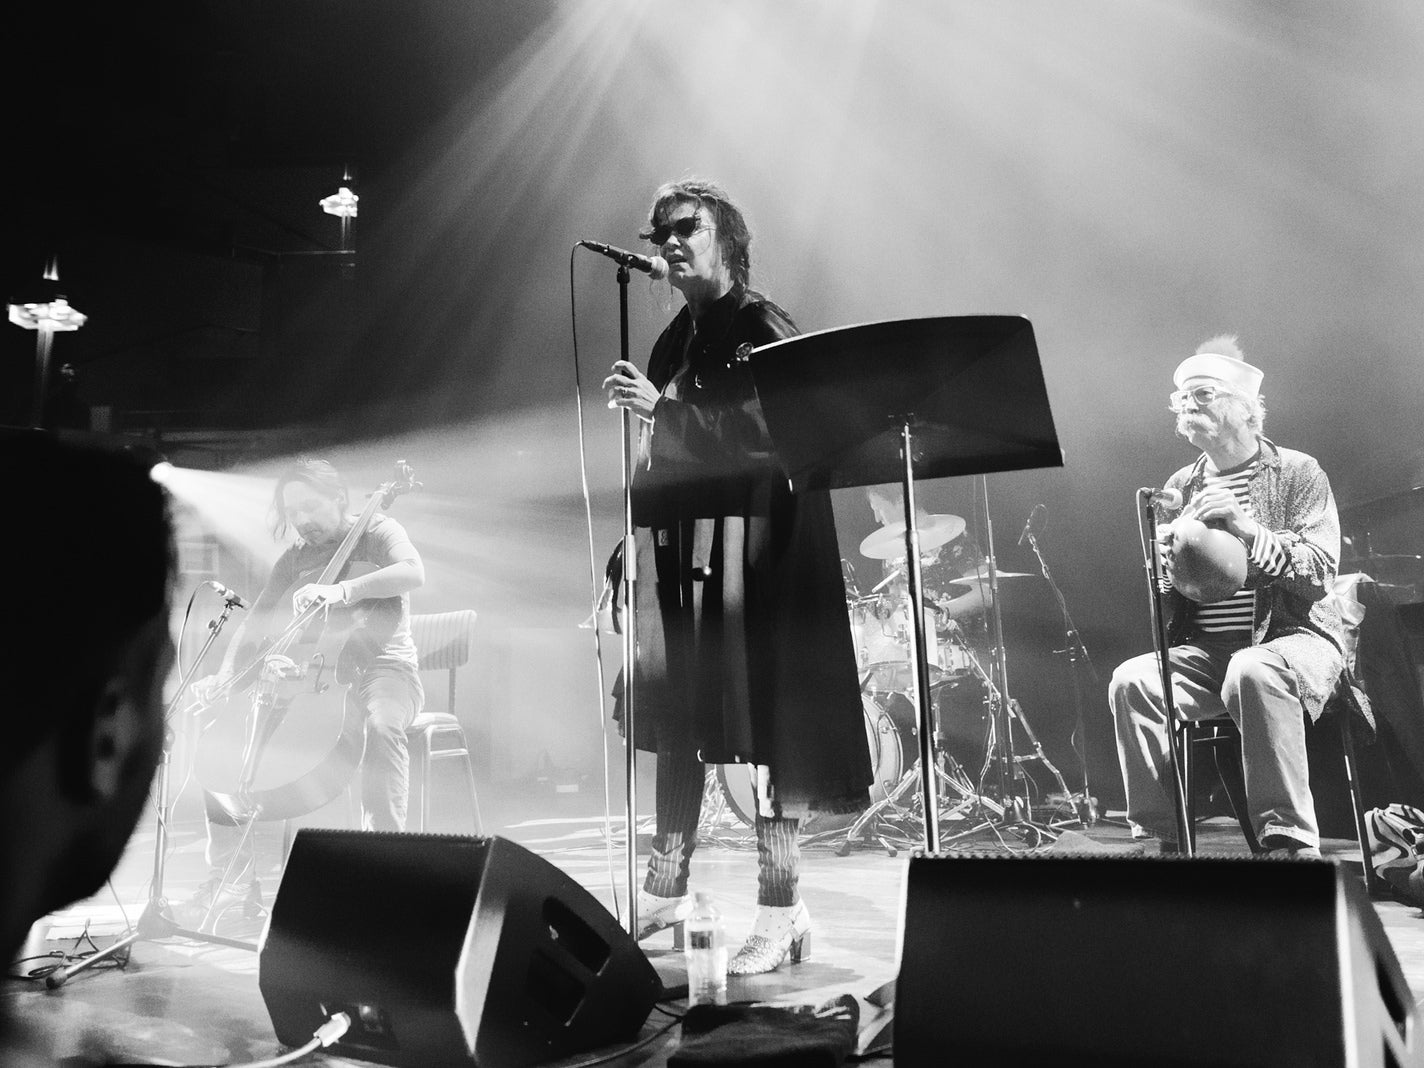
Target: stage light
{"points": [[343, 203], [161, 472], [56, 314], [50, 315]]}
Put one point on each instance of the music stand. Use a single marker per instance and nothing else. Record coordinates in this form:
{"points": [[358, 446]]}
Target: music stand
{"points": [[905, 399]]}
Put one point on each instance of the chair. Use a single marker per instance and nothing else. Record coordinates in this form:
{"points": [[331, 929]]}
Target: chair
{"points": [[443, 641], [1221, 736]]}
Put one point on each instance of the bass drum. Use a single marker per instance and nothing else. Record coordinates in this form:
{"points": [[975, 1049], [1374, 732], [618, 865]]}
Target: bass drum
{"points": [[892, 727], [893, 738], [739, 790], [892, 732]]}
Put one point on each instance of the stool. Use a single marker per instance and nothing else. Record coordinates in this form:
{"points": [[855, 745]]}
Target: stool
{"points": [[443, 641], [433, 737]]}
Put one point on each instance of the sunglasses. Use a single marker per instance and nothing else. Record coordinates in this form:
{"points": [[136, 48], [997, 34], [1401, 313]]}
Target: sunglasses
{"points": [[683, 228], [1201, 396]]}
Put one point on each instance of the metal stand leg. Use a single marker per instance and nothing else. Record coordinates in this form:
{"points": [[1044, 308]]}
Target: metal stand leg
{"points": [[155, 921]]}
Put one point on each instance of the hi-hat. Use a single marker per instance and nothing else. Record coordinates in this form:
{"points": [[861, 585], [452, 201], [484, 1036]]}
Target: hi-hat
{"points": [[888, 543]]}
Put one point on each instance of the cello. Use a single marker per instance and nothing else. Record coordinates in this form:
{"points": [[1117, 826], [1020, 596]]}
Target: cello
{"points": [[295, 742]]}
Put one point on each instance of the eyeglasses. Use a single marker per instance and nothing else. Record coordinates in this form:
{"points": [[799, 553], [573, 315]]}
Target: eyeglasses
{"points": [[683, 228], [1201, 396]]}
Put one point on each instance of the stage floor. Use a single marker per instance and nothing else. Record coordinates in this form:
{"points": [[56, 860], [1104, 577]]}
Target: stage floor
{"points": [[183, 1003]]}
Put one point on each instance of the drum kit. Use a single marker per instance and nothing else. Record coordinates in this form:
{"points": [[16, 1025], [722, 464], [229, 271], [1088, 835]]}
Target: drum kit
{"points": [[963, 695]]}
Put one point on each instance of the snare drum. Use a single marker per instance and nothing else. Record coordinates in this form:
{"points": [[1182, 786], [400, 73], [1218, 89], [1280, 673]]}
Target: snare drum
{"points": [[895, 676]]}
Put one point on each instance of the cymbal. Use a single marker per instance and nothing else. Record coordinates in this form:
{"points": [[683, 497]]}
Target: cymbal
{"points": [[980, 577], [888, 543]]}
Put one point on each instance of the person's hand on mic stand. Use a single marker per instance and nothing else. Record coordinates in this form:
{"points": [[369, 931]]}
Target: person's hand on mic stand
{"points": [[629, 388]]}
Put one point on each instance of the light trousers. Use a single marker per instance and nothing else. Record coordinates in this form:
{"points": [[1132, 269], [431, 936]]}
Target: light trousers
{"points": [[1257, 689]]}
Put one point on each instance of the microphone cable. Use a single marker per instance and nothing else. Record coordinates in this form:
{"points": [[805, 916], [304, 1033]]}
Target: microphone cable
{"points": [[594, 591]]}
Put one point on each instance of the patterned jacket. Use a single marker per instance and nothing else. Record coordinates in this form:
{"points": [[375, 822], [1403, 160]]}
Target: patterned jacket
{"points": [[1291, 495]]}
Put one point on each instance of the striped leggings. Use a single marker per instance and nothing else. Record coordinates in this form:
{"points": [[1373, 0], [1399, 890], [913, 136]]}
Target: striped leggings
{"points": [[679, 805]]}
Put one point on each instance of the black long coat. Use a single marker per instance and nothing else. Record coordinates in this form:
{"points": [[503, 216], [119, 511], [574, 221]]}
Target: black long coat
{"points": [[744, 648]]}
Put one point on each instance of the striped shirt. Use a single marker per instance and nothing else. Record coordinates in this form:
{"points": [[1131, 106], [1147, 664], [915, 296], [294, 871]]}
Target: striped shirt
{"points": [[1235, 615]]}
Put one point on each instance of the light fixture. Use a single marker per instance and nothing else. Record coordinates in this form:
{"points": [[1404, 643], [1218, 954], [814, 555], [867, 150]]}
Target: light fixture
{"points": [[48, 316], [342, 204]]}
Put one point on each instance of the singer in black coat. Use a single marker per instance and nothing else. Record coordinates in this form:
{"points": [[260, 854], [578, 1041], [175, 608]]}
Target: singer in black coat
{"points": [[744, 646]]}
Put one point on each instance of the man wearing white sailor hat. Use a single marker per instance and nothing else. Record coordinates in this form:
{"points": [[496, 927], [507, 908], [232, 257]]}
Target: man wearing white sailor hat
{"points": [[1268, 654]]}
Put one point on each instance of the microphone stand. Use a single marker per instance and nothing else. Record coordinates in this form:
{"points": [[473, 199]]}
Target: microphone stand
{"points": [[630, 623], [1075, 650], [1175, 750], [156, 922], [1016, 812]]}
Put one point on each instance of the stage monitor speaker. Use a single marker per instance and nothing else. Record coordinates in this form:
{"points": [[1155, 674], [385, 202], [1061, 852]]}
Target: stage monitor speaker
{"points": [[1116, 961], [446, 950]]}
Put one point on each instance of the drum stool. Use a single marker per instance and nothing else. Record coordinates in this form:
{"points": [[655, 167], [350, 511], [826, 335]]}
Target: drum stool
{"points": [[433, 737]]}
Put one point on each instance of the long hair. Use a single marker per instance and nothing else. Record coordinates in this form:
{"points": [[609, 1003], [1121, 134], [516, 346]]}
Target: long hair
{"points": [[319, 475], [733, 236]]}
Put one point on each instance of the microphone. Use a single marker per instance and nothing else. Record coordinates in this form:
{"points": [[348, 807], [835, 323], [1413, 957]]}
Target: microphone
{"points": [[1033, 517], [655, 266], [1170, 499], [226, 594]]}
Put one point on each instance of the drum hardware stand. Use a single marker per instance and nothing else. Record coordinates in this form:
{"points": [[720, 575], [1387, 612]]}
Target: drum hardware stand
{"points": [[1004, 712], [852, 583], [1152, 566], [1084, 802], [879, 402], [888, 811], [1019, 808], [156, 920], [877, 815]]}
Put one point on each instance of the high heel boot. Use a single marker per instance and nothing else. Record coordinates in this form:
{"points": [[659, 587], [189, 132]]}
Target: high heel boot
{"points": [[776, 934]]}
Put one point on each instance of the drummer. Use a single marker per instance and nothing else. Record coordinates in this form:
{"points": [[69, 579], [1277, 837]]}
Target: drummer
{"points": [[952, 570]]}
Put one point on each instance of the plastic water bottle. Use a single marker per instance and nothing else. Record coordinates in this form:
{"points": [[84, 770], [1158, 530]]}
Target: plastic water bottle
{"points": [[706, 951]]}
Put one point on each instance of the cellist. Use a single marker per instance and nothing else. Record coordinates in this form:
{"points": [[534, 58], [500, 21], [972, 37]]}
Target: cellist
{"points": [[310, 499]]}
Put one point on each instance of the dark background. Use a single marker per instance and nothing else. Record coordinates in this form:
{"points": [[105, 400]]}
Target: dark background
{"points": [[1132, 177]]}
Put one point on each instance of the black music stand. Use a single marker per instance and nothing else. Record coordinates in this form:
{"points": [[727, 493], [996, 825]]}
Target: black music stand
{"points": [[906, 399]]}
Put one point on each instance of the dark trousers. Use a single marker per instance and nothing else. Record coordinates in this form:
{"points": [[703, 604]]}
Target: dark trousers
{"points": [[680, 784]]}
